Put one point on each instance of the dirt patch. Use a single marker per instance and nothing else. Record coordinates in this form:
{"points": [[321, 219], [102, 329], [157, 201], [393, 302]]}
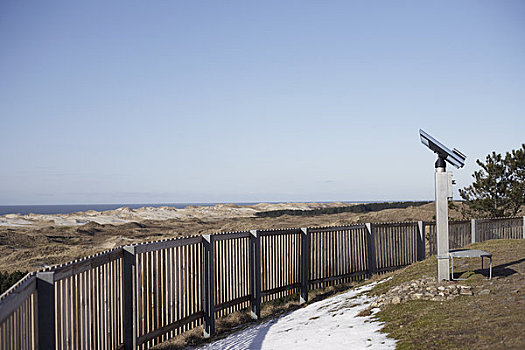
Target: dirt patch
{"points": [[365, 312]]}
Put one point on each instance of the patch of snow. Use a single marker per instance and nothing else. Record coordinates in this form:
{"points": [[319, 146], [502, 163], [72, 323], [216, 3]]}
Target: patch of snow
{"points": [[14, 221], [328, 324]]}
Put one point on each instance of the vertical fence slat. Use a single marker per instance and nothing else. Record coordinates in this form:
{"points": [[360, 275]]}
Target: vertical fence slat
{"points": [[420, 241], [370, 249], [255, 274], [305, 264], [129, 301], [209, 286]]}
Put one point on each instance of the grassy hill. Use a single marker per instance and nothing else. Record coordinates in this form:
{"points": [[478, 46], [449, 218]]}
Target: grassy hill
{"points": [[494, 319]]}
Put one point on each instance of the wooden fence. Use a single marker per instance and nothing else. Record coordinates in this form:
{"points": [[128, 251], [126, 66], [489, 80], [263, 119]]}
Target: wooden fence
{"points": [[337, 255], [136, 296], [167, 289], [461, 233], [18, 311]]}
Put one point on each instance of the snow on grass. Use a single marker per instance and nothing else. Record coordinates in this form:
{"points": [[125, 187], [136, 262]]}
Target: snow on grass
{"points": [[328, 324]]}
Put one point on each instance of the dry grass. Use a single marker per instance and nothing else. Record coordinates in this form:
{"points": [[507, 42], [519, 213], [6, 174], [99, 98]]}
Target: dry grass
{"points": [[31, 248]]}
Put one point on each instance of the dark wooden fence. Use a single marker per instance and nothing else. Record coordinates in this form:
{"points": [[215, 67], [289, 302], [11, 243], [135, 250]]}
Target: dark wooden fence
{"points": [[137, 296], [461, 233], [503, 228], [167, 289], [18, 312], [337, 255]]}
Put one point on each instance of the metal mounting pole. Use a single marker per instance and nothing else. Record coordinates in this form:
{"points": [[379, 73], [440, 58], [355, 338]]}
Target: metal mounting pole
{"points": [[444, 184], [443, 265]]}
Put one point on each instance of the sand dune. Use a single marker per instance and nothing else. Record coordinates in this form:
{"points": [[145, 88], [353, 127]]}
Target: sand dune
{"points": [[30, 242], [125, 215]]}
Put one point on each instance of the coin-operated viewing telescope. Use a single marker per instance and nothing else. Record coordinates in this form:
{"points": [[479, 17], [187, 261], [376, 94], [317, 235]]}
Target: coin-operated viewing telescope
{"points": [[454, 157], [444, 184]]}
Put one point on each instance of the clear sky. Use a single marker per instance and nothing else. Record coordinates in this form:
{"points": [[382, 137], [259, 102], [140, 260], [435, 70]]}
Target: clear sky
{"points": [[235, 101]]}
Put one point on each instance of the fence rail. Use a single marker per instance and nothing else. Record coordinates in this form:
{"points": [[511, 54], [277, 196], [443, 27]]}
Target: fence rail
{"points": [[136, 296]]}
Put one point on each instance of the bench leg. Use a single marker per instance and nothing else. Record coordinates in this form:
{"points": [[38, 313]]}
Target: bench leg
{"points": [[452, 267], [490, 269]]}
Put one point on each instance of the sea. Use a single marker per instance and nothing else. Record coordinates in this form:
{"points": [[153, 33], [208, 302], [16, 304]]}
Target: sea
{"points": [[73, 208]]}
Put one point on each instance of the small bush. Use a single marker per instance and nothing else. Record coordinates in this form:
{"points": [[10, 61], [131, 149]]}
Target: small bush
{"points": [[8, 279], [356, 208]]}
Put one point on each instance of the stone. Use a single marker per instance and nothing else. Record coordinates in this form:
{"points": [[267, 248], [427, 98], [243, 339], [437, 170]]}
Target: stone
{"points": [[425, 288], [484, 292]]}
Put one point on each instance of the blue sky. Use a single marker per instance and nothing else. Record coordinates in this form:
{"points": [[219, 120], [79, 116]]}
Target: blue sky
{"points": [[232, 101]]}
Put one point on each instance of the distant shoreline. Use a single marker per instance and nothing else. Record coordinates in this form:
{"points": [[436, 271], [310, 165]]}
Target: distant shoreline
{"points": [[53, 209]]}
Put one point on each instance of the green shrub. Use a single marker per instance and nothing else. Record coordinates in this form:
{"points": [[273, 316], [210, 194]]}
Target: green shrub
{"points": [[8, 279]]}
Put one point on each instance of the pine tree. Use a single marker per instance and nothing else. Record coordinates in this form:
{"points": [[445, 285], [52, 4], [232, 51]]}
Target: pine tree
{"points": [[516, 164], [499, 187]]}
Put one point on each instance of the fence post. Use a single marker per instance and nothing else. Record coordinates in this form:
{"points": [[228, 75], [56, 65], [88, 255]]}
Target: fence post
{"points": [[420, 241], [255, 274], [305, 264], [371, 253], [208, 293], [129, 287], [523, 233], [45, 286], [474, 231]]}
